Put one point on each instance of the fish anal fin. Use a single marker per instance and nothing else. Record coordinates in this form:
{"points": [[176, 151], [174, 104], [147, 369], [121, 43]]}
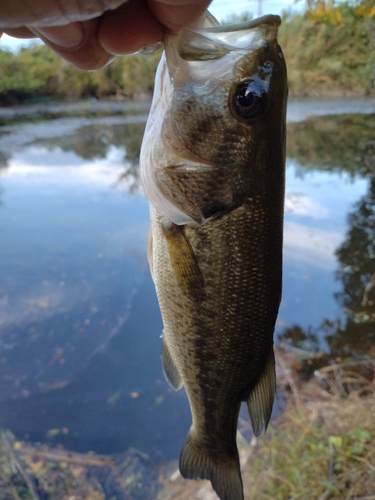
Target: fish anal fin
{"points": [[224, 474], [170, 369], [184, 263], [260, 402]]}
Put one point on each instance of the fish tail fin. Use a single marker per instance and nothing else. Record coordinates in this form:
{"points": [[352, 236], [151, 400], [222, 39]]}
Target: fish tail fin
{"points": [[224, 474], [260, 402]]}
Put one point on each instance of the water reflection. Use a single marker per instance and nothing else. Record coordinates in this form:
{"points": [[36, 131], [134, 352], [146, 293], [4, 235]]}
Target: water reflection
{"points": [[357, 274], [96, 141], [80, 324], [342, 144]]}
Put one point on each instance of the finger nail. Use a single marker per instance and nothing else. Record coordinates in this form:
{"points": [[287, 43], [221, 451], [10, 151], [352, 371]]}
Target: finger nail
{"points": [[143, 50], [68, 36]]}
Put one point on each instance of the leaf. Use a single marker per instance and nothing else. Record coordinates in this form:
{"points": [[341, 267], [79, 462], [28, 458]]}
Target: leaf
{"points": [[336, 441]]}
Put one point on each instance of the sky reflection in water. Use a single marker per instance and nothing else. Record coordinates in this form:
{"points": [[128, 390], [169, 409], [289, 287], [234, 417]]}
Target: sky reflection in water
{"points": [[80, 325]]}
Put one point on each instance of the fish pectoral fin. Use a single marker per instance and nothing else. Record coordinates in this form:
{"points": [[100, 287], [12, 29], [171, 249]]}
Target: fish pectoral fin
{"points": [[260, 402], [224, 474], [184, 263], [170, 369]]}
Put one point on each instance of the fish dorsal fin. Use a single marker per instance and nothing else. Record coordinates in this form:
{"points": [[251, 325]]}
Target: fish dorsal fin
{"points": [[170, 369], [260, 402]]}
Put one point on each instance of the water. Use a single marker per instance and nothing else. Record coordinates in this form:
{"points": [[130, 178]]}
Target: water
{"points": [[79, 320]]}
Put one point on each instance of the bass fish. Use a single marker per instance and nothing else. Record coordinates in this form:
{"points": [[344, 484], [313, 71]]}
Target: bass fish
{"points": [[212, 166]]}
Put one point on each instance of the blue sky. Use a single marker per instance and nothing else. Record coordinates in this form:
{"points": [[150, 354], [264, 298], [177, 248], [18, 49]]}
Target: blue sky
{"points": [[219, 8]]}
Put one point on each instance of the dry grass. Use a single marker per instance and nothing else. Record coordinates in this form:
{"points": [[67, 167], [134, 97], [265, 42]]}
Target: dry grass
{"points": [[320, 448]]}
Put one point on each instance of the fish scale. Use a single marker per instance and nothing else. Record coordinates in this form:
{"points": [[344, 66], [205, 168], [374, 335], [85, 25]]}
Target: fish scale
{"points": [[212, 165]]}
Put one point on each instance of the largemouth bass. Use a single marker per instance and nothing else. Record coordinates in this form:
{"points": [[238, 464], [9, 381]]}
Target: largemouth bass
{"points": [[212, 166]]}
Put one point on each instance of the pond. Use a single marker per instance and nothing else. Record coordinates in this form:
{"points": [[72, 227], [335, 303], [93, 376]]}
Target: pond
{"points": [[79, 321]]}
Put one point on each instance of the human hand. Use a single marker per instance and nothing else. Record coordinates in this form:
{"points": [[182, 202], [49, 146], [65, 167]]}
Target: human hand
{"points": [[89, 33]]}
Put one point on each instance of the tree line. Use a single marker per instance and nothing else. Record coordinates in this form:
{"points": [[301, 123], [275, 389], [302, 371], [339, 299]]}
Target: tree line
{"points": [[330, 50], [37, 73]]}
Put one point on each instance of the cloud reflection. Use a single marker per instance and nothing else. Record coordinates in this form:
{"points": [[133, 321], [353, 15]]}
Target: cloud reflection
{"points": [[311, 245], [39, 165], [302, 204]]}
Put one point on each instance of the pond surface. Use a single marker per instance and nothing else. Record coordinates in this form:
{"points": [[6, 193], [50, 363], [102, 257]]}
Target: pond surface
{"points": [[79, 320]]}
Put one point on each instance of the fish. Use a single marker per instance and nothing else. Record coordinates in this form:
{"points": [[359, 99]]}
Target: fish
{"points": [[212, 166]]}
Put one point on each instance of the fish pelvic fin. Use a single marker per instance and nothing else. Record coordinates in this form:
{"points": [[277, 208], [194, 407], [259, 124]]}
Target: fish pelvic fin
{"points": [[224, 474], [170, 369], [260, 402]]}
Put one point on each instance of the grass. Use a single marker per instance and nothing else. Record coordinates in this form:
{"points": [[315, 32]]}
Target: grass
{"points": [[322, 447]]}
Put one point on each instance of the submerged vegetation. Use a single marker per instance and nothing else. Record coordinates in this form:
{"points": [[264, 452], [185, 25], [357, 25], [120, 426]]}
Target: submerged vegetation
{"points": [[41, 473], [330, 51]]}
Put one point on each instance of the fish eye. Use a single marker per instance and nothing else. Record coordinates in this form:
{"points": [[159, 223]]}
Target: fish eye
{"points": [[248, 100]]}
